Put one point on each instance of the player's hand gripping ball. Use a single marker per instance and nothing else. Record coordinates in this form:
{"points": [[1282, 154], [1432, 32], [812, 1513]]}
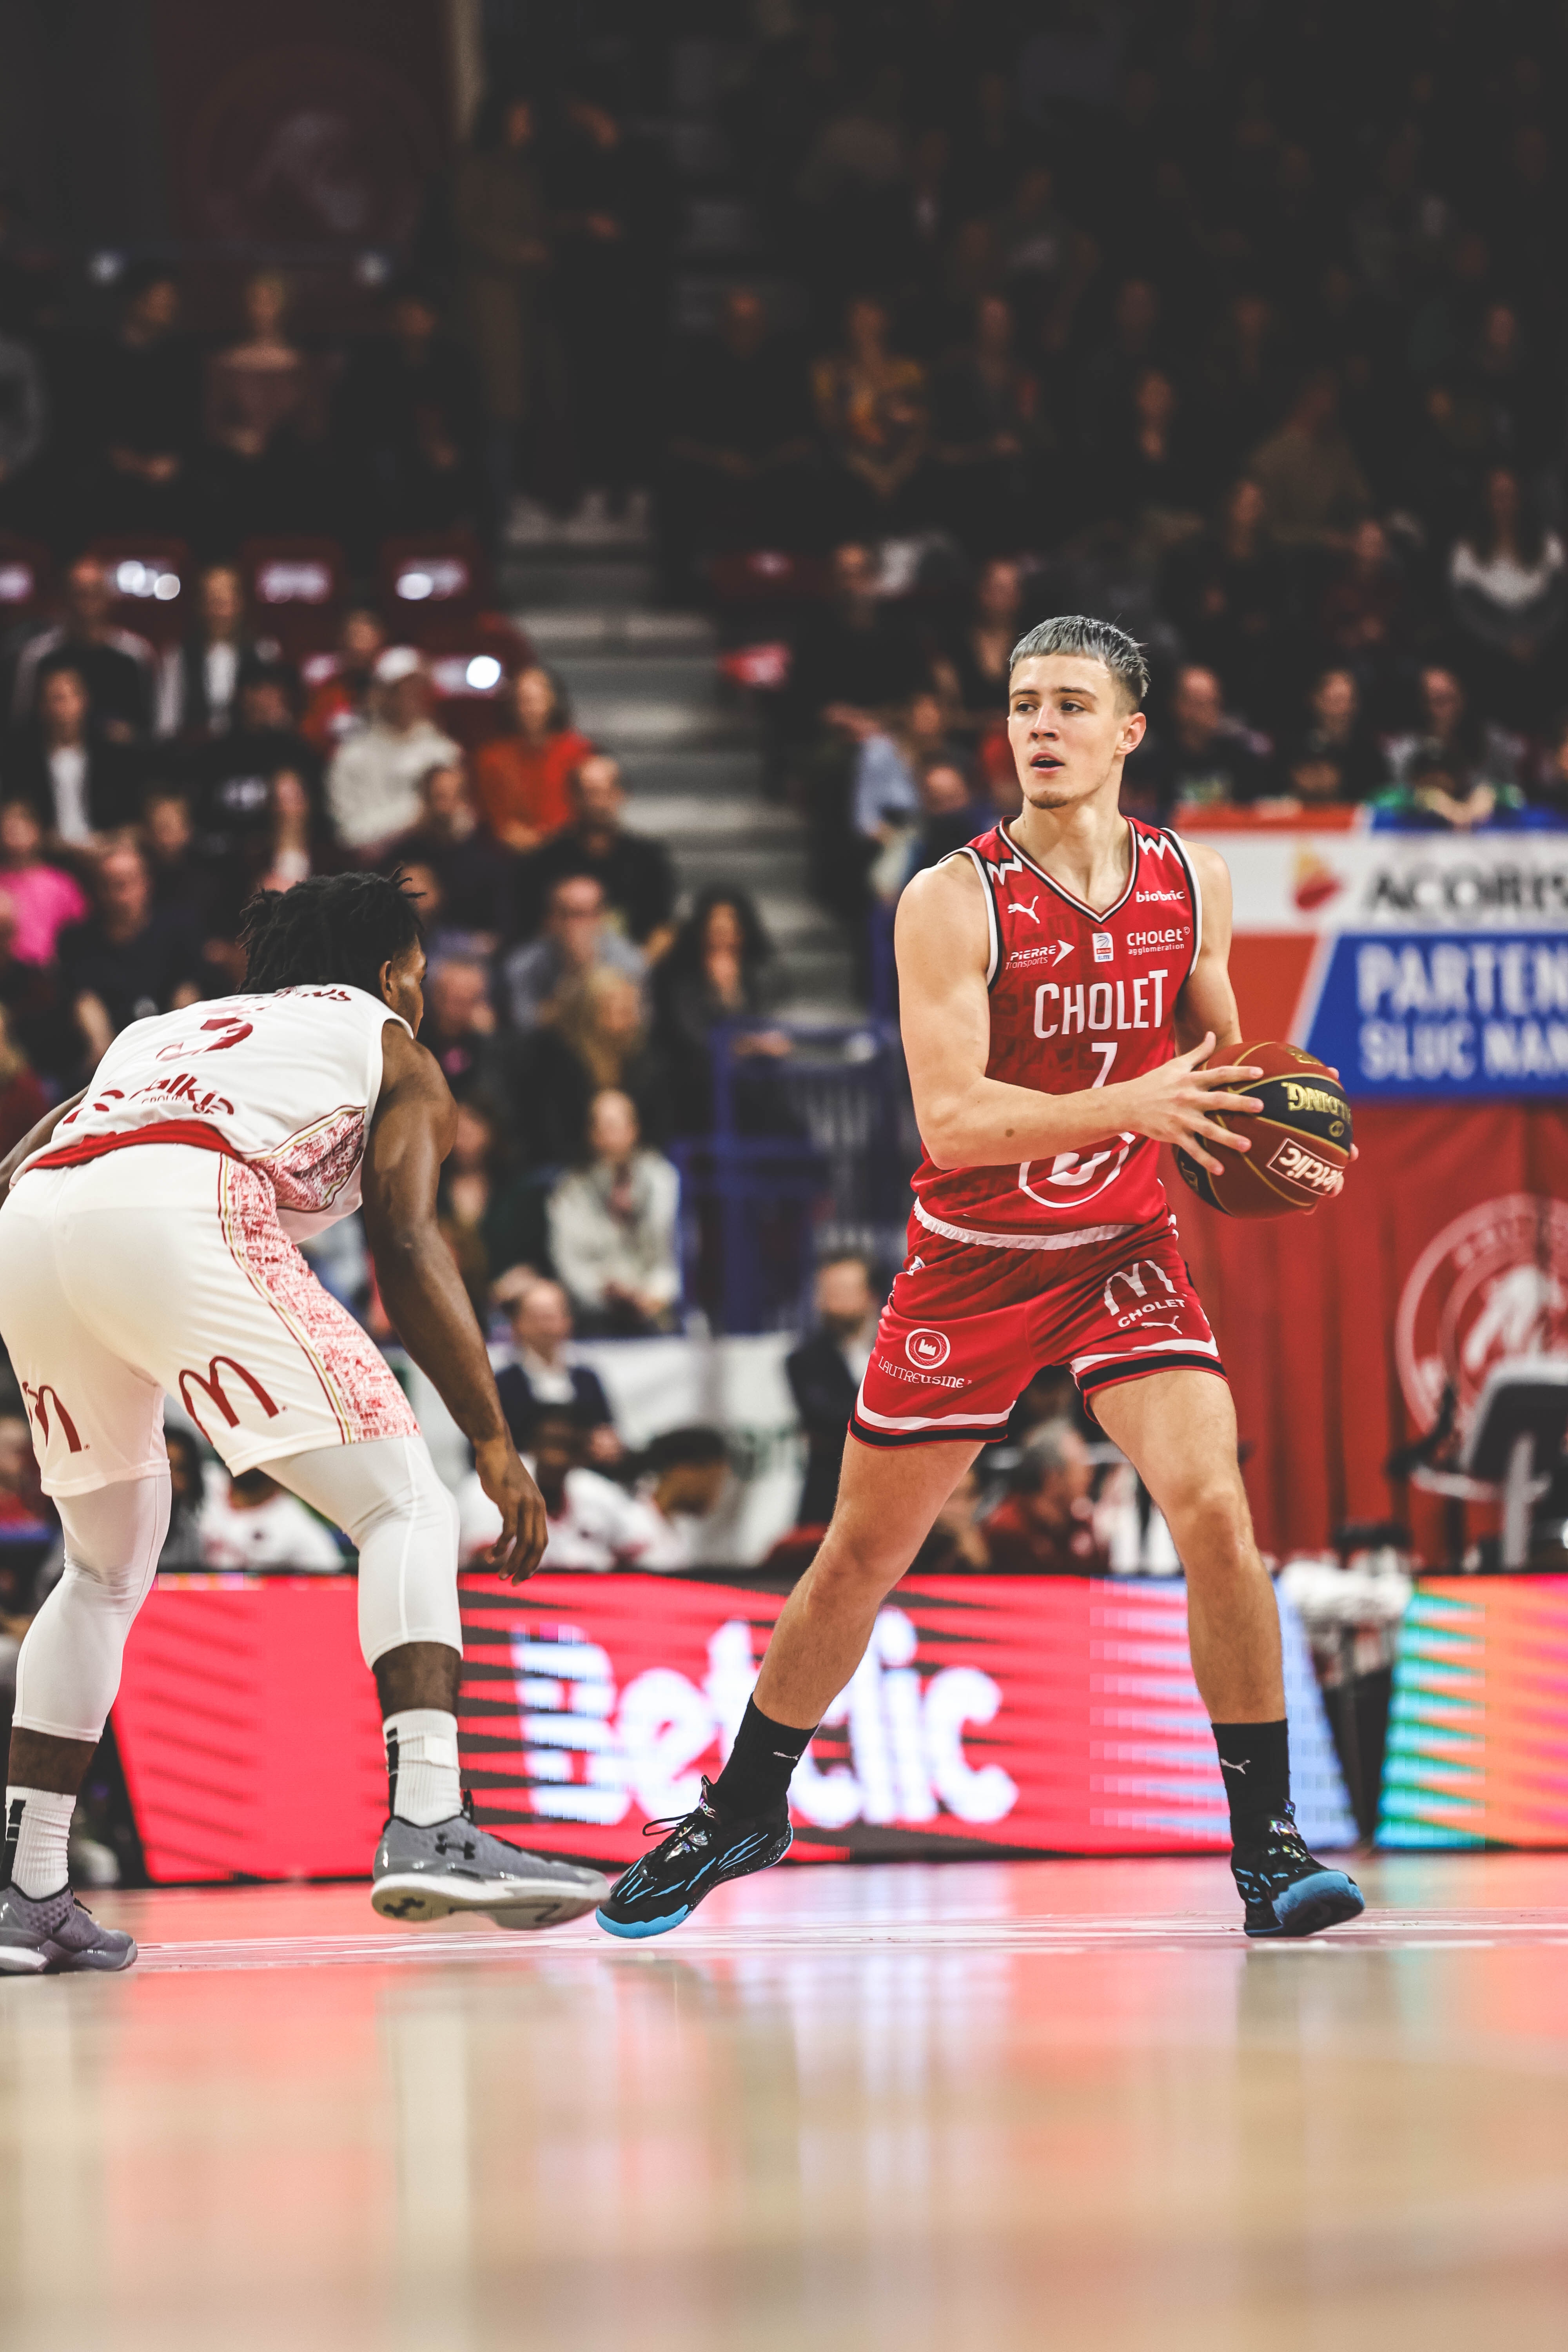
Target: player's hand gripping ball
{"points": [[1300, 1138]]}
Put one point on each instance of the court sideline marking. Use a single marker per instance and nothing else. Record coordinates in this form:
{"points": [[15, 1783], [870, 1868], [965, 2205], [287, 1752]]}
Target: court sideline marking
{"points": [[1383, 1931]]}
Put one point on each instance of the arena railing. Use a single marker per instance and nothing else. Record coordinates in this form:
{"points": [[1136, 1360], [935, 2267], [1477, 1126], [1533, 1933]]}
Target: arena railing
{"points": [[809, 1151]]}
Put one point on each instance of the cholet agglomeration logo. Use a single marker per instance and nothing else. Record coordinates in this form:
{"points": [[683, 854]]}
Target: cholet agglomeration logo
{"points": [[1490, 1287]]}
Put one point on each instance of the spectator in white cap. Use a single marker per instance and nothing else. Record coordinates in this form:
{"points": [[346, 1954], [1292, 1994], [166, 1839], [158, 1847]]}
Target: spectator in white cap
{"points": [[373, 783]]}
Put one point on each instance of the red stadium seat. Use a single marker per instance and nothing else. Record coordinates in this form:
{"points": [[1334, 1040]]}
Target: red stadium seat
{"points": [[26, 581], [151, 581], [767, 575], [428, 578], [295, 587], [473, 660]]}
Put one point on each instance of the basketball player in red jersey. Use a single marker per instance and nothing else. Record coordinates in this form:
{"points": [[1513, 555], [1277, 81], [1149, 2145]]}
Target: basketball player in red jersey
{"points": [[1066, 1010]]}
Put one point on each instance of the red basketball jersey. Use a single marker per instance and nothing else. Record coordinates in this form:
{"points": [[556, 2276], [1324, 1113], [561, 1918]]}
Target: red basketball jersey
{"points": [[1077, 1000]]}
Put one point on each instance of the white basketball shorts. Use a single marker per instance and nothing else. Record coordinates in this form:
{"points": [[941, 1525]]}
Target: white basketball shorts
{"points": [[163, 1269]]}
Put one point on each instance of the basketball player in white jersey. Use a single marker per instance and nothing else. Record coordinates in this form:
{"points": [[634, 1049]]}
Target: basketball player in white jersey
{"points": [[1064, 990], [147, 1245]]}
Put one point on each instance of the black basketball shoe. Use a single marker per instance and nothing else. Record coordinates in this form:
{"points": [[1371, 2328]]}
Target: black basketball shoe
{"points": [[700, 1853], [1287, 1890]]}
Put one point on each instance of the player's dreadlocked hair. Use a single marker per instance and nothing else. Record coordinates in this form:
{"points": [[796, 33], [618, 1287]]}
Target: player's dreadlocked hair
{"points": [[335, 928], [1101, 641]]}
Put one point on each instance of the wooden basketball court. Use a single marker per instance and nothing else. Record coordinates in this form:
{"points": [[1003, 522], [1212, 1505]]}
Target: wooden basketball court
{"points": [[1055, 2104]]}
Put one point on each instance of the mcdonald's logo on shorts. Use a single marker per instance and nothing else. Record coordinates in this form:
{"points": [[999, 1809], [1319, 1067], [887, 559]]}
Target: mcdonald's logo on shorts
{"points": [[210, 1383], [38, 1406]]}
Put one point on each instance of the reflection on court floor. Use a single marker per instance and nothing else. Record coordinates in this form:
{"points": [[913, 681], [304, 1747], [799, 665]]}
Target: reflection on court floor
{"points": [[924, 2107]]}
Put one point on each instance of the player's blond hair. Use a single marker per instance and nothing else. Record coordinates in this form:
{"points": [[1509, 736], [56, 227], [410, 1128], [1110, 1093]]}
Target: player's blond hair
{"points": [[1101, 641]]}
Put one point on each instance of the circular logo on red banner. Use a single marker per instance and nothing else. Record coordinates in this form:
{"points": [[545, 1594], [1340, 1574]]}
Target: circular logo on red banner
{"points": [[929, 1350], [1492, 1286]]}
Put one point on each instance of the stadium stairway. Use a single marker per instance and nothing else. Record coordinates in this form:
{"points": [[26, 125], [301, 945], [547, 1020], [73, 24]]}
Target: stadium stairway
{"points": [[644, 683]]}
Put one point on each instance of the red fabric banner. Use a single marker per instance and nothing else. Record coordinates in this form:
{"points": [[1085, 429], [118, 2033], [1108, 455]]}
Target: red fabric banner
{"points": [[1447, 1252]]}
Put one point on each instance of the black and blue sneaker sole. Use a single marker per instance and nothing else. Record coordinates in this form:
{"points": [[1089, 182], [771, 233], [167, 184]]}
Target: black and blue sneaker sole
{"points": [[636, 1908], [643, 1926], [1326, 1900]]}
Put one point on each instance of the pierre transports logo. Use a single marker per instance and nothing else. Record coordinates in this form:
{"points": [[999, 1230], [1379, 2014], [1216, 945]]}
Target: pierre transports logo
{"points": [[928, 1350]]}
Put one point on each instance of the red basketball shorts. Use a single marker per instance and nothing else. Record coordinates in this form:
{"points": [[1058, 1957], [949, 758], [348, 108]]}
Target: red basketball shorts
{"points": [[967, 1329]]}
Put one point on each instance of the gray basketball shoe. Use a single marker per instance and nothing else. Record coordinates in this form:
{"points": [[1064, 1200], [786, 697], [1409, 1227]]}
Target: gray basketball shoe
{"points": [[424, 1874], [51, 1934]]}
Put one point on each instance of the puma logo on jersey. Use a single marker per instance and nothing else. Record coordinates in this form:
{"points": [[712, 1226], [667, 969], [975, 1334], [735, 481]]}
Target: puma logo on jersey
{"points": [[1016, 907]]}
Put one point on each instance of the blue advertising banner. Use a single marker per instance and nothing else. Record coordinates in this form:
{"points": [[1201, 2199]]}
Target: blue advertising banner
{"points": [[1479, 1013]]}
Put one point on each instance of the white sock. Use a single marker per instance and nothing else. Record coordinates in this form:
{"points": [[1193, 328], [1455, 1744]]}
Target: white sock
{"points": [[422, 1760], [38, 1828]]}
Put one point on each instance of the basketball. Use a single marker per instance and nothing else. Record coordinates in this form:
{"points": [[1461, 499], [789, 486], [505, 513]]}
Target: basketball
{"points": [[1301, 1140]]}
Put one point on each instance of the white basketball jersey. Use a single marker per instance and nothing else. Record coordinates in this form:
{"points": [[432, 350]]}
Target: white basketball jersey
{"points": [[288, 1082]]}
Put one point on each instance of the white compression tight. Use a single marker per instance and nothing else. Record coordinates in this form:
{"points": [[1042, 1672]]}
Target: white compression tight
{"points": [[386, 1498], [391, 1505], [68, 1669]]}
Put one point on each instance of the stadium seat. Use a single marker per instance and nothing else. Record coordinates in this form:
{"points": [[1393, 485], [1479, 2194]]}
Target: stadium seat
{"points": [[295, 587], [473, 659], [150, 581], [430, 578]]}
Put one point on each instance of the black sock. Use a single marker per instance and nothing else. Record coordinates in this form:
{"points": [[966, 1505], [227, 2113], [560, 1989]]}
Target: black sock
{"points": [[757, 1777], [1254, 1764]]}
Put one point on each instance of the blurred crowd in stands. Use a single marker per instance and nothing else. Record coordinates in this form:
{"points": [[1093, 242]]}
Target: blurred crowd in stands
{"points": [[145, 793], [1244, 329]]}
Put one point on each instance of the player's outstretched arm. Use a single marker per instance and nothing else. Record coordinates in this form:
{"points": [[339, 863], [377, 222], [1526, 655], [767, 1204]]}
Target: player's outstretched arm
{"points": [[410, 1136], [35, 1139], [968, 1120]]}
